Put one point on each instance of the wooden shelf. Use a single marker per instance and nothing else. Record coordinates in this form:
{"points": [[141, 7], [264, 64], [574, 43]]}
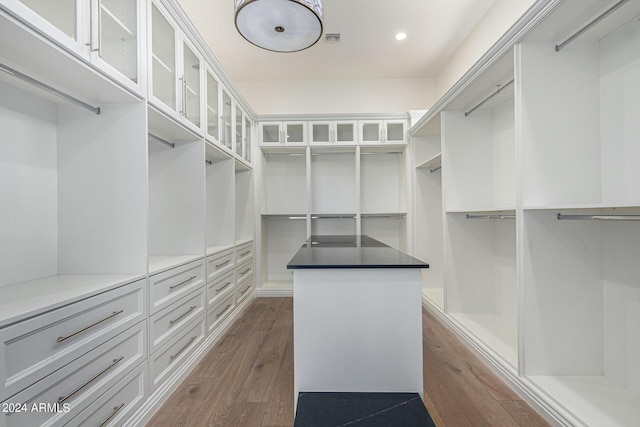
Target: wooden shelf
{"points": [[432, 163]]}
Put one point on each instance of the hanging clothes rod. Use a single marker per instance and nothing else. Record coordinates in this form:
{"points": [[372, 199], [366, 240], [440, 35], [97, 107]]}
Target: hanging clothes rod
{"points": [[209, 162], [164, 141], [49, 89], [589, 25], [435, 169], [481, 103], [491, 216], [600, 217]]}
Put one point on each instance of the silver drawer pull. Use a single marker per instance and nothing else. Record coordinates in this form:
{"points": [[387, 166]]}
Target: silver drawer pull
{"points": [[244, 272], [113, 413], [182, 283], [61, 399], [114, 314], [245, 290], [224, 263], [183, 348], [222, 287], [245, 253], [223, 311], [193, 307]]}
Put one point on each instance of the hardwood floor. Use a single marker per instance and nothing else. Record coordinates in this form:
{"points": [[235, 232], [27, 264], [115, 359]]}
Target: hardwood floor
{"points": [[247, 379]]}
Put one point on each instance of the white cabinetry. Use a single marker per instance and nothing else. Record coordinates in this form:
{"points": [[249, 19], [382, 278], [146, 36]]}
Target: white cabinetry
{"points": [[176, 70], [333, 132], [540, 208], [383, 132], [105, 33], [283, 133]]}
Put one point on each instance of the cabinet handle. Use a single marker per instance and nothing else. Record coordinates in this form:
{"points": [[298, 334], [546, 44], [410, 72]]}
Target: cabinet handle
{"points": [[183, 348], [245, 271], [193, 307], [223, 311], [182, 283], [114, 314], [245, 290], [113, 413], [245, 253], [61, 399], [184, 96], [221, 288], [220, 130], [224, 263]]}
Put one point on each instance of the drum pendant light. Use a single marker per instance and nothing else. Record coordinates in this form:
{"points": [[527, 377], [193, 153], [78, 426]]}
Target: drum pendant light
{"points": [[279, 25]]}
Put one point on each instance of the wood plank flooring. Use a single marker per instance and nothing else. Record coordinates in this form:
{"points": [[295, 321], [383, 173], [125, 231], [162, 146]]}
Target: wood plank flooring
{"points": [[247, 379]]}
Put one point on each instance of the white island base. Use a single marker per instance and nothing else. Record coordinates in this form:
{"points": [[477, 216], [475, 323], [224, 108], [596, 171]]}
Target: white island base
{"points": [[357, 330]]}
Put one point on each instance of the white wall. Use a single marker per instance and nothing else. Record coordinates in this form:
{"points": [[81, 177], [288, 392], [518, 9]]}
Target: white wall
{"points": [[498, 19], [338, 96]]}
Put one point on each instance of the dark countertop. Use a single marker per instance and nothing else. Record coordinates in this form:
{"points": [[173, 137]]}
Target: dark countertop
{"points": [[350, 251]]}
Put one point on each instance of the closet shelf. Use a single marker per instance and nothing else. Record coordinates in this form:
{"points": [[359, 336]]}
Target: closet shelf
{"points": [[114, 26], [432, 163], [160, 263]]}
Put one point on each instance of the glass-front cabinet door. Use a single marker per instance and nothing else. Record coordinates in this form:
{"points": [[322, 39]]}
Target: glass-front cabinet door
{"points": [[395, 131], [238, 125], [247, 139], [105, 33], [213, 107], [163, 58], [320, 133], [191, 66], [227, 139], [270, 133], [345, 132], [371, 132], [295, 133]]}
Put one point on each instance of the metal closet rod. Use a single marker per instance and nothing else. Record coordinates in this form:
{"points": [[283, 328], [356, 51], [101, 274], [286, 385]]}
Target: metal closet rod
{"points": [[435, 169], [481, 103], [209, 162], [600, 217], [491, 216], [49, 89], [164, 141], [586, 27]]}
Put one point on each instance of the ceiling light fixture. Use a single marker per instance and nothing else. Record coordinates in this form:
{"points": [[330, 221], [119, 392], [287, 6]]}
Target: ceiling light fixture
{"points": [[279, 25], [401, 36]]}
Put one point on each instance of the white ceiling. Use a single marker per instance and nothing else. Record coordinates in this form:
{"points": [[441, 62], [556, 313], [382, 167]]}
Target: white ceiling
{"points": [[367, 50]]}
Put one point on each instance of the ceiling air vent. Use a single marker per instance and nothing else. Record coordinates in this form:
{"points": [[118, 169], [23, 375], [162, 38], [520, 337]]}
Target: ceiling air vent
{"points": [[332, 38]]}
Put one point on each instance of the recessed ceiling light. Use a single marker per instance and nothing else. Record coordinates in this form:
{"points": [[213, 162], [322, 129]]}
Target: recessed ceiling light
{"points": [[401, 36]]}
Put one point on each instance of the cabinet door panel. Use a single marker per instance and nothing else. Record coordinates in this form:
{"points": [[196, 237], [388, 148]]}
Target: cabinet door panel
{"points": [[191, 84], [163, 52], [118, 36]]}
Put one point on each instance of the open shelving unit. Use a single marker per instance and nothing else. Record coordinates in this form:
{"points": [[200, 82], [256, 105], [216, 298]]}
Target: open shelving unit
{"points": [[220, 194], [176, 217]]}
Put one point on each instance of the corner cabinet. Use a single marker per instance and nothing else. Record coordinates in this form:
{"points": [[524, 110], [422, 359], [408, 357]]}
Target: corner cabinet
{"points": [[175, 71], [104, 33]]}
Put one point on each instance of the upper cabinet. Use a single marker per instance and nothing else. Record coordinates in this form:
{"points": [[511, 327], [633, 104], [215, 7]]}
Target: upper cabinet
{"points": [[105, 33], [333, 132], [283, 133], [383, 132], [175, 72]]}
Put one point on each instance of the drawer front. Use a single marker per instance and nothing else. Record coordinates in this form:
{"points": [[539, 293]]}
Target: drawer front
{"points": [[72, 388], [218, 264], [217, 289], [169, 357], [218, 313], [244, 289], [169, 286], [243, 252], [36, 347], [117, 405], [166, 323], [244, 270]]}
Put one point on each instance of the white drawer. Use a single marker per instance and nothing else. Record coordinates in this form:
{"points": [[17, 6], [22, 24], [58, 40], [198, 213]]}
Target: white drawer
{"points": [[36, 347], [244, 251], [169, 286], [169, 357], [218, 264], [244, 270], [217, 289], [72, 388], [166, 323], [218, 313], [118, 404], [243, 290]]}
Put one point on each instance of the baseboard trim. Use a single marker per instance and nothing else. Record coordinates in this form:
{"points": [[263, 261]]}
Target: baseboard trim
{"points": [[160, 396], [274, 292]]}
